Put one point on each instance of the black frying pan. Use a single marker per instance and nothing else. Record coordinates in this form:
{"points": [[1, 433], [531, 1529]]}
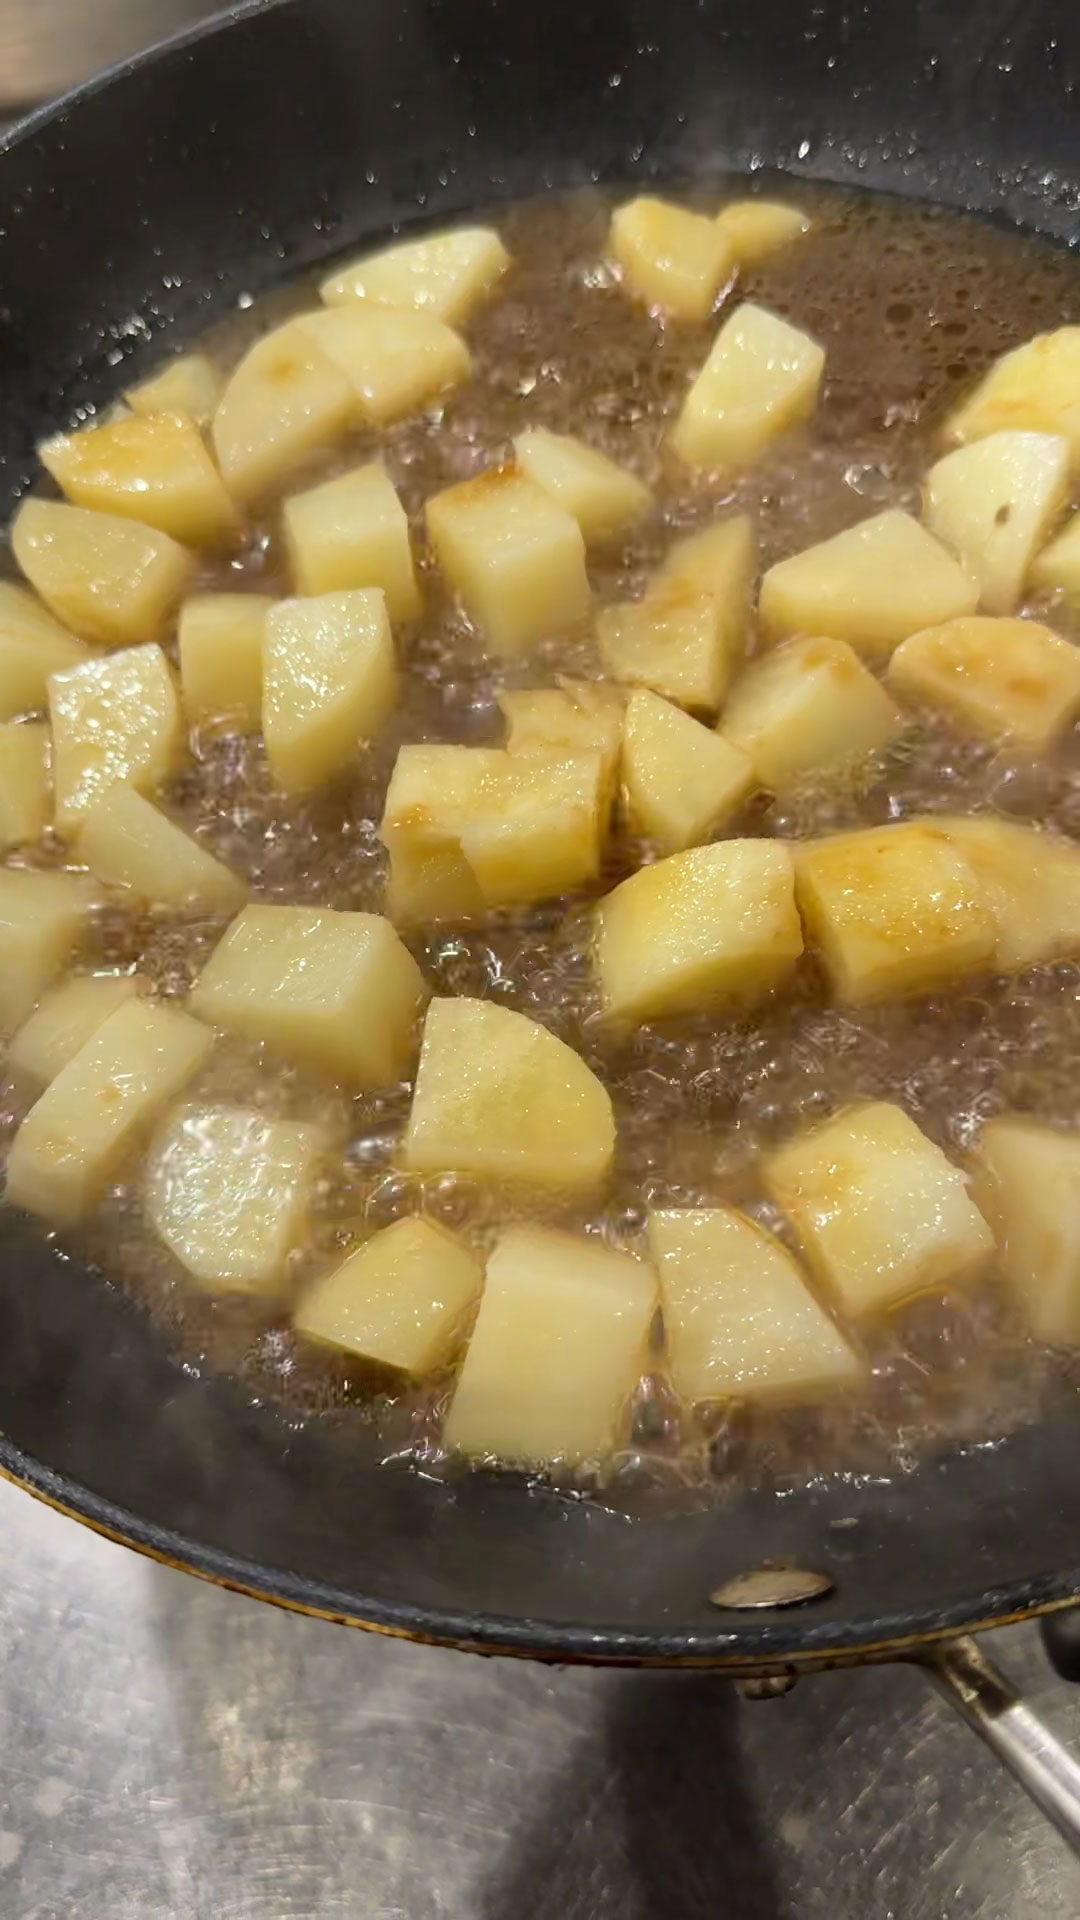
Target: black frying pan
{"points": [[147, 202]]}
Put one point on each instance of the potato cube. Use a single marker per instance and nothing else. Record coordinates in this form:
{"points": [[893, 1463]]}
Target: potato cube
{"points": [[871, 585], [445, 275], [286, 401], [1027, 1185], [810, 703], [680, 781], [63, 1022], [760, 379], [431, 886], [1057, 567], [1001, 678], [1035, 389], [432, 791], [879, 1210], [128, 842], [25, 784], [189, 384], [228, 1190], [32, 645], [602, 497], [75, 1139], [42, 920], [1029, 881], [992, 503], [893, 910], [336, 993], [111, 579], [578, 716], [152, 468], [329, 683], [113, 719], [677, 642], [560, 1343], [395, 360], [701, 930], [671, 258], [353, 532], [740, 1321], [221, 650], [403, 1299], [720, 560], [499, 1098], [515, 559], [759, 228]]}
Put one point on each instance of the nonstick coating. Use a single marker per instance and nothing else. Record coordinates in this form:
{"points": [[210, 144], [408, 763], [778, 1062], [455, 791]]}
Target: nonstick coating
{"points": [[140, 208]]}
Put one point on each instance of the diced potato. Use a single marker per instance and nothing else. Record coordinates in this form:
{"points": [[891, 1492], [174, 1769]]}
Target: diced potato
{"points": [[680, 781], [500, 1098], [879, 1210], [228, 1189], [286, 401], [578, 716], [740, 1321], [128, 842], [431, 887], [1036, 389], [677, 642], [671, 258], [329, 683], [403, 1299], [1001, 678], [515, 559], [720, 560], [758, 228], [395, 360], [560, 1343], [189, 384], [111, 579], [432, 791], [63, 1022], [113, 719], [32, 645], [761, 379], [75, 1139], [1057, 567], [810, 703], [336, 993], [445, 275], [701, 930], [871, 585], [152, 468], [42, 920], [25, 784], [894, 910], [353, 532], [1027, 1185], [1030, 882], [992, 503], [221, 651], [602, 497]]}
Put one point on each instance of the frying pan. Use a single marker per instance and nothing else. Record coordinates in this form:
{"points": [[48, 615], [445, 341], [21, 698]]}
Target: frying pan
{"points": [[141, 207]]}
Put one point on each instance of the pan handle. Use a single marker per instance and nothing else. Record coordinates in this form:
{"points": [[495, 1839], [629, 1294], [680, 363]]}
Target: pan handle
{"points": [[1035, 1757]]}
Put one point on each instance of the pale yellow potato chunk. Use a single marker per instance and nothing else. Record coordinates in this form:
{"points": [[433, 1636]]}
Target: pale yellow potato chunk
{"points": [[514, 558], [403, 1299], [719, 560], [500, 1098], [75, 1139], [153, 468], [761, 379], [871, 585], [1027, 1185], [677, 642], [221, 651], [446, 275], [1030, 882], [189, 384], [602, 497], [431, 886], [758, 228], [577, 716], [992, 504], [285, 402], [32, 645], [669, 257], [43, 918], [808, 704], [680, 781], [395, 360], [880, 1212], [63, 1022], [740, 1321], [128, 842], [113, 719], [1003, 679], [1035, 388], [111, 579], [329, 683], [337, 993], [893, 910], [1057, 567], [560, 1343], [25, 784], [353, 532], [713, 927], [432, 791], [228, 1191]]}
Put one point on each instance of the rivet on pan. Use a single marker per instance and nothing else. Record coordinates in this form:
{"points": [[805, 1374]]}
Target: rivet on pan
{"points": [[771, 1587]]}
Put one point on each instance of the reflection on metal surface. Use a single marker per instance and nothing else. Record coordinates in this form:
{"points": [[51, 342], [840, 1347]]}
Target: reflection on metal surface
{"points": [[47, 46], [772, 1587]]}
